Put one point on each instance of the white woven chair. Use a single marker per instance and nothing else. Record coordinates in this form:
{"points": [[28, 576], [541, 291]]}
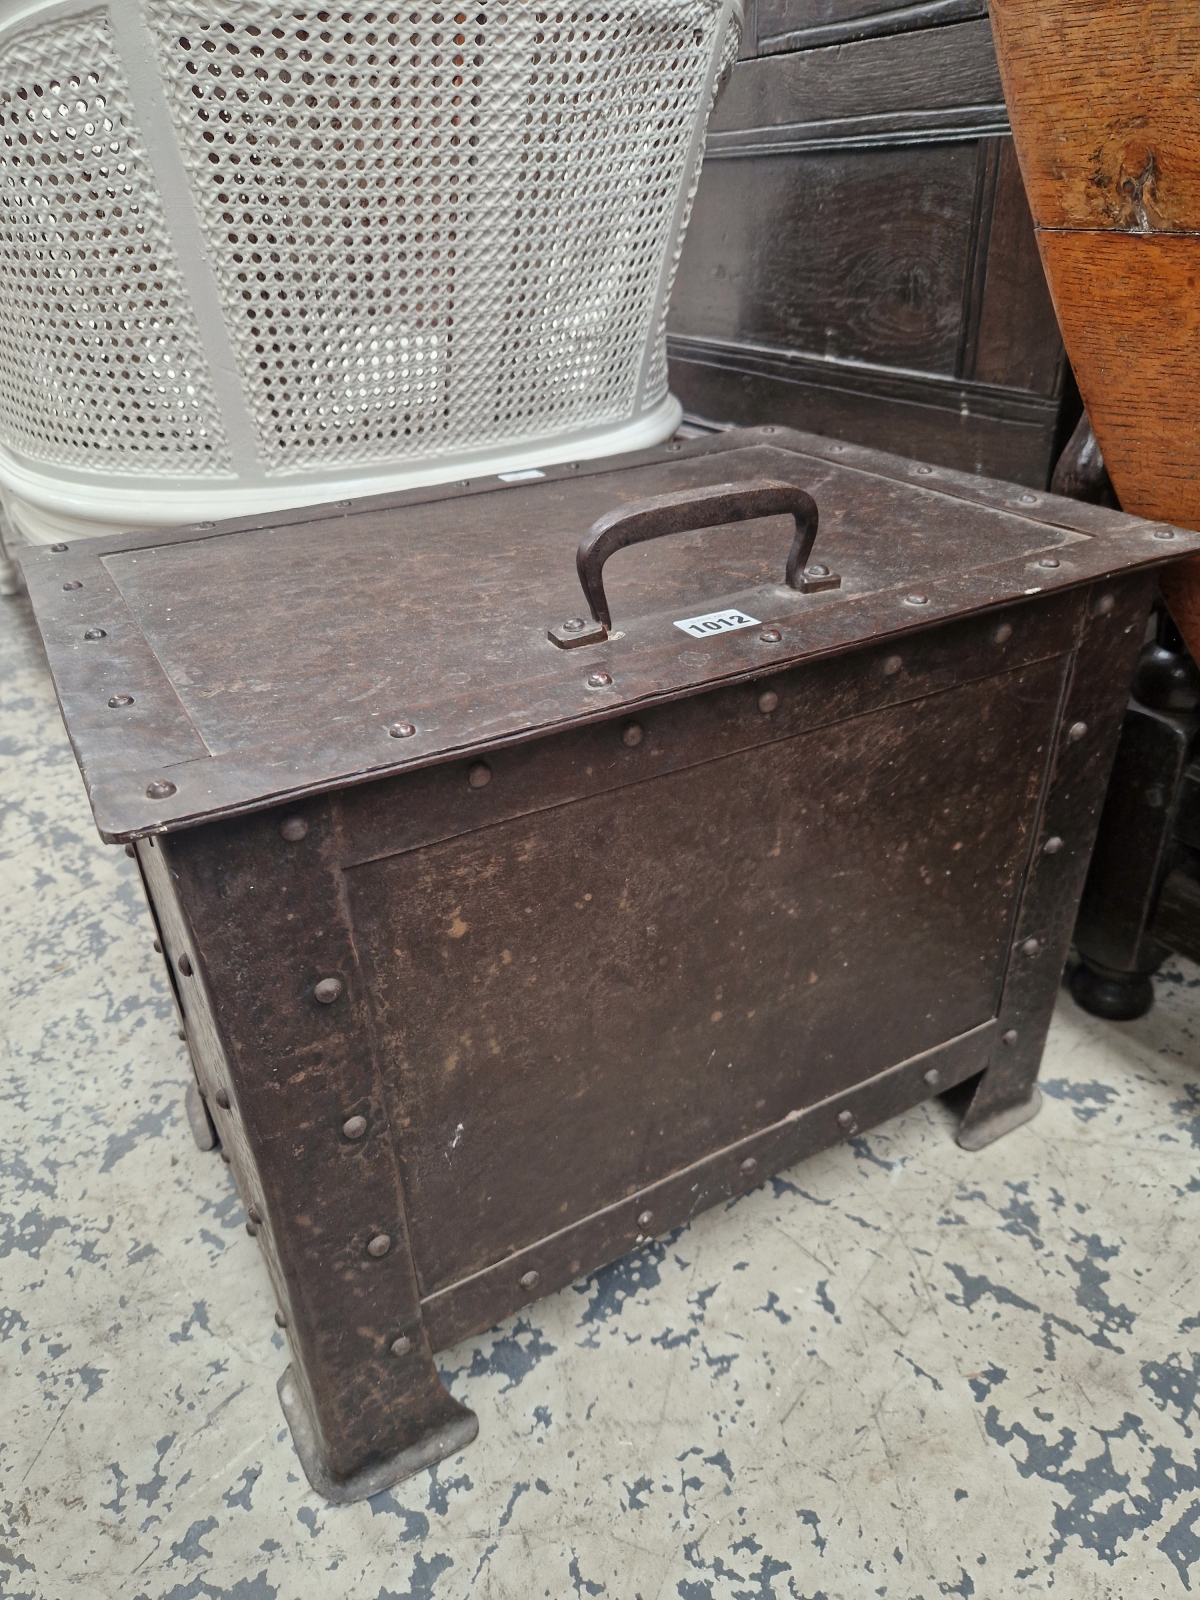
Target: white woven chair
{"points": [[256, 256]]}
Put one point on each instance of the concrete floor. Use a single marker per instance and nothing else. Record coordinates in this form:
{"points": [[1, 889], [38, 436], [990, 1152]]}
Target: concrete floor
{"points": [[900, 1370]]}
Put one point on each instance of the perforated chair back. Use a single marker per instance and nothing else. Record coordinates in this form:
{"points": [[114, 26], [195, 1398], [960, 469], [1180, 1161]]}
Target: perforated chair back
{"points": [[254, 257]]}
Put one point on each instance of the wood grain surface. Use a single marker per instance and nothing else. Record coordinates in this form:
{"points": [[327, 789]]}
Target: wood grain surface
{"points": [[1102, 95], [1130, 315]]}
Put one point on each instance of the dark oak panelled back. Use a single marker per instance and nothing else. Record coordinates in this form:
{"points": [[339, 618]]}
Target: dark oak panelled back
{"points": [[763, 272], [861, 257], [777, 25]]}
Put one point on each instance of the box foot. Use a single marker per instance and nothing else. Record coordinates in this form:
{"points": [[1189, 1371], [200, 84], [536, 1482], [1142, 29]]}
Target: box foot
{"points": [[453, 1435], [199, 1120], [975, 1135]]}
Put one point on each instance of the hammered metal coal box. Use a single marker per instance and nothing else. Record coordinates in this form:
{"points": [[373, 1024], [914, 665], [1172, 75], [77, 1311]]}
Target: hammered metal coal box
{"points": [[519, 905]]}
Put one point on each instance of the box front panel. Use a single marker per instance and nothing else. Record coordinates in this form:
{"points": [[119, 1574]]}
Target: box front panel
{"points": [[576, 1001]]}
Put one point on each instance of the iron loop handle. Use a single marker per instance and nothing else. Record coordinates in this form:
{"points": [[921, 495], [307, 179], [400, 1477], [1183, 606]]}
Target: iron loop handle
{"points": [[687, 511]]}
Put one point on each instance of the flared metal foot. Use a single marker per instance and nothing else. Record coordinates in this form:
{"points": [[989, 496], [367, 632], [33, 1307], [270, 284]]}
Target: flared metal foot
{"points": [[974, 1135], [199, 1120], [1117, 996], [454, 1434]]}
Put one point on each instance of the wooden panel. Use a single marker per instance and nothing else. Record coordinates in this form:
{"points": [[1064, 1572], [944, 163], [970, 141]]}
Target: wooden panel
{"points": [[809, 24], [872, 90], [1001, 433], [1130, 315], [859, 255], [1018, 343], [861, 259], [1105, 119], [1104, 108]]}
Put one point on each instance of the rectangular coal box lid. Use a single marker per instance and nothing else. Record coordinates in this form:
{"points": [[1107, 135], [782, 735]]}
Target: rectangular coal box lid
{"points": [[541, 860], [213, 670]]}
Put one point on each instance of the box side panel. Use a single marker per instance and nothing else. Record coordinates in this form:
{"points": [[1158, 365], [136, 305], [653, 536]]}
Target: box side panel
{"points": [[574, 1003]]}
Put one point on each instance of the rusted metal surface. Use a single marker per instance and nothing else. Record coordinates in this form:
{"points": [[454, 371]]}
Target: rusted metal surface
{"points": [[494, 957], [274, 661]]}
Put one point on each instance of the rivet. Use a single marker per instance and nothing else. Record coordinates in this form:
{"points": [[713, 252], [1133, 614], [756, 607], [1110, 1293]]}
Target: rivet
{"points": [[767, 701], [328, 990], [160, 789], [58, 548], [293, 829], [185, 964], [817, 570], [1030, 947], [1052, 846], [632, 734], [251, 1230], [1027, 499], [280, 1320], [845, 1119], [530, 1280], [463, 483], [181, 1034], [222, 1099], [645, 1218], [572, 466], [836, 449], [1048, 561], [1002, 634], [770, 636], [766, 430], [341, 504], [573, 625], [158, 946], [1106, 604], [749, 1164], [1076, 731], [255, 1215], [932, 1078], [206, 524], [119, 700], [225, 1156], [479, 775], [1010, 1037], [916, 599], [379, 1245], [95, 633], [402, 1345], [130, 851], [1155, 798], [73, 584], [402, 730], [924, 472], [598, 680], [892, 666], [354, 1127], [673, 448], [1159, 533]]}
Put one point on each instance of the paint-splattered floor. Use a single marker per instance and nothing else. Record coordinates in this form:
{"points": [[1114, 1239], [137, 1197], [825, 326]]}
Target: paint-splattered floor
{"points": [[901, 1370]]}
